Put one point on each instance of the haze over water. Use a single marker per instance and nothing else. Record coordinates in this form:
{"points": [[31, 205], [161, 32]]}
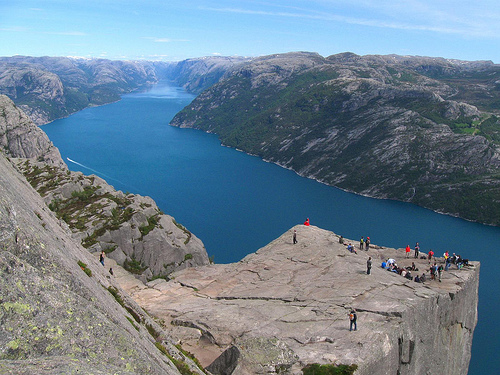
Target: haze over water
{"points": [[236, 203]]}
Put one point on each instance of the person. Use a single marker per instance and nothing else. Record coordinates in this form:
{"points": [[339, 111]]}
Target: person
{"points": [[341, 240], [448, 264], [446, 255], [368, 265], [111, 271], [351, 248], [408, 251], [352, 320], [294, 237], [101, 258], [417, 250], [433, 270], [417, 279], [440, 270], [361, 243], [367, 243], [306, 223], [430, 255]]}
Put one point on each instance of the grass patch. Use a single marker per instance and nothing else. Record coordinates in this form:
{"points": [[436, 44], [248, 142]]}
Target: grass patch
{"points": [[132, 322], [83, 266], [114, 293], [134, 266], [316, 369], [181, 365]]}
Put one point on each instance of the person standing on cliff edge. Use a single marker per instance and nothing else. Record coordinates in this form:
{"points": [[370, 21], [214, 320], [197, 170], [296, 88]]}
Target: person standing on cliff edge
{"points": [[352, 320], [368, 265], [294, 237]]}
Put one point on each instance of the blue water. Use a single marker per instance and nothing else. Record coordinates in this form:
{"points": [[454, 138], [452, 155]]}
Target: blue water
{"points": [[237, 203]]}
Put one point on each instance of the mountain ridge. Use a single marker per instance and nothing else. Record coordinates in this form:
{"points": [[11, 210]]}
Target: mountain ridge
{"points": [[359, 124]]}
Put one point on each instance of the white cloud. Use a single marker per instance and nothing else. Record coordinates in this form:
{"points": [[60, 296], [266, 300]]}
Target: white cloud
{"points": [[447, 18]]}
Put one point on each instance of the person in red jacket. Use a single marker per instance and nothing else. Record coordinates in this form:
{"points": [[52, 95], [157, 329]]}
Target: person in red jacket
{"points": [[408, 251], [307, 222], [430, 255]]}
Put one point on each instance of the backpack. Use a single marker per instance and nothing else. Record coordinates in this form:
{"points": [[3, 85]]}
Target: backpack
{"points": [[351, 316]]}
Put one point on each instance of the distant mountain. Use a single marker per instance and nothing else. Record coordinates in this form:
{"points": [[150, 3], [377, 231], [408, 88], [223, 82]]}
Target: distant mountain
{"points": [[416, 129], [48, 88]]}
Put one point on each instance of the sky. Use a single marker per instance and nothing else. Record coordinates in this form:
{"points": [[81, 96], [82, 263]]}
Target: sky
{"points": [[174, 30]]}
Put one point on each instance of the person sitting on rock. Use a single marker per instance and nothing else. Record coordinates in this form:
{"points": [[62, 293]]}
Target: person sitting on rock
{"points": [[306, 223], [351, 248]]}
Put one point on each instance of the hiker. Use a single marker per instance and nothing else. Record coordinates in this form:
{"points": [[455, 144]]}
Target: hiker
{"points": [[433, 270], [111, 271], [368, 265], [294, 237], [408, 251], [361, 243], [430, 255], [367, 243], [101, 257], [306, 223], [440, 270], [417, 250], [352, 320], [341, 240]]}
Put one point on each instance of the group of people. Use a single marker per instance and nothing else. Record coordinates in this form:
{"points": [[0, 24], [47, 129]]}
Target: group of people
{"points": [[364, 243]]}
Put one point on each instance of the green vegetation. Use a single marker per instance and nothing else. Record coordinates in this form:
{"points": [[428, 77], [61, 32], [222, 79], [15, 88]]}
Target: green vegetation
{"points": [[181, 366], [134, 266], [85, 269], [132, 322], [181, 227], [316, 369], [114, 293], [191, 356], [152, 223]]}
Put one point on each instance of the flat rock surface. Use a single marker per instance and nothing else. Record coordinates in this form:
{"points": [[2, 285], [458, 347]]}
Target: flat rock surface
{"points": [[300, 294]]}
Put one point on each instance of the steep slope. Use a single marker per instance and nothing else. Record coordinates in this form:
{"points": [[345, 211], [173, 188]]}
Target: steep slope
{"points": [[129, 228], [58, 315], [375, 125]]}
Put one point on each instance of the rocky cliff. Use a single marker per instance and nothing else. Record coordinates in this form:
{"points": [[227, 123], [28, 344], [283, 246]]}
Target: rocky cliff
{"points": [[421, 130], [286, 307], [130, 228], [60, 310]]}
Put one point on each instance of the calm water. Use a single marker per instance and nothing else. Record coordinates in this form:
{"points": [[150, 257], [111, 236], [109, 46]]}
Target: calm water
{"points": [[237, 203]]}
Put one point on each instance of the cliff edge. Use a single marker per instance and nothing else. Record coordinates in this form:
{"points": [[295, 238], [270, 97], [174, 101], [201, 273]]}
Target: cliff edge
{"points": [[287, 306]]}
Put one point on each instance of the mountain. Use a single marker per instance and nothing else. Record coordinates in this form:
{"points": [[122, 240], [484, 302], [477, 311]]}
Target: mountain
{"points": [[416, 129], [48, 88]]}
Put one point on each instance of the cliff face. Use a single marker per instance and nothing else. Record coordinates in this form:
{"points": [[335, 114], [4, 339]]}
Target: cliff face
{"points": [[415, 129], [129, 228], [57, 311], [20, 139], [287, 306]]}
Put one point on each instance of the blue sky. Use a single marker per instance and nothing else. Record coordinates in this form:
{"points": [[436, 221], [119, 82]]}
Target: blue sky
{"points": [[173, 30]]}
